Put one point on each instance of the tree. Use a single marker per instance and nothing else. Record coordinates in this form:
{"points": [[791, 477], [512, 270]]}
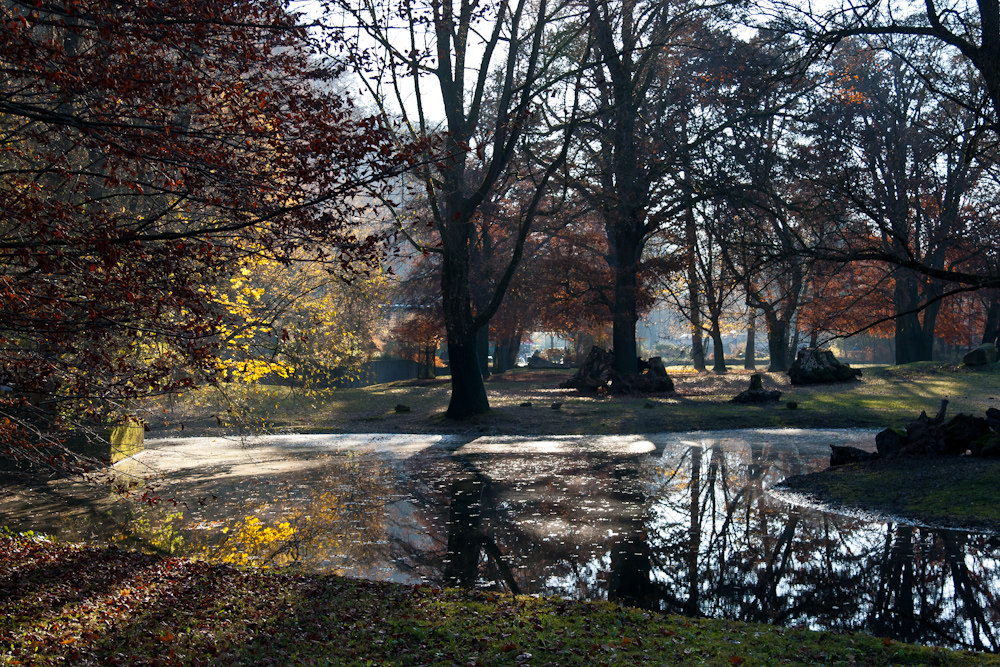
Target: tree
{"points": [[909, 169], [967, 37], [973, 29], [489, 67], [716, 283], [752, 169], [641, 84], [147, 148]]}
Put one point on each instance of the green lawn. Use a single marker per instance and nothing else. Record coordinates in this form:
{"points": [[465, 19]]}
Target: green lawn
{"points": [[86, 606], [885, 396]]}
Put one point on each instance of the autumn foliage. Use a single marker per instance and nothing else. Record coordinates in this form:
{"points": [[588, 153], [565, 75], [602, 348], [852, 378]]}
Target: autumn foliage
{"points": [[145, 149]]}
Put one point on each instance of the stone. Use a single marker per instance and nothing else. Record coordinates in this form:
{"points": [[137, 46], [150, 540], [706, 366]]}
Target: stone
{"points": [[556, 406], [962, 432], [792, 405], [983, 355], [526, 404], [842, 455], [890, 442], [993, 418], [816, 366], [402, 408], [988, 446], [537, 361]]}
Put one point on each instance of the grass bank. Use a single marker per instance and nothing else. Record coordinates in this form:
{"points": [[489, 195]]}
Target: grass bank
{"points": [[522, 404], [68, 604], [954, 492]]}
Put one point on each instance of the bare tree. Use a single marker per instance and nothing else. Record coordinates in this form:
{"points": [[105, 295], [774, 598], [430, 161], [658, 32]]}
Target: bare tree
{"points": [[488, 69]]}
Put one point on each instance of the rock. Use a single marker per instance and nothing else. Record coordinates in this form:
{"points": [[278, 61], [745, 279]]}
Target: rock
{"points": [[962, 432], [993, 418], [926, 436], [981, 356], [756, 393], [816, 366], [792, 405], [842, 455], [402, 408], [526, 404], [556, 406], [536, 361], [890, 442], [988, 446]]}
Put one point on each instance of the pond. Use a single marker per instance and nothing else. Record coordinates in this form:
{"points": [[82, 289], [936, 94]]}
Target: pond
{"points": [[681, 522]]}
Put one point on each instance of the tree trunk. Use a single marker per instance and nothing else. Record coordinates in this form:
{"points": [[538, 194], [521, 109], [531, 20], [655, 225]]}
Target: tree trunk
{"points": [[991, 330], [625, 312], [468, 393], [749, 362], [909, 334], [483, 351], [927, 331], [694, 296], [718, 350], [777, 342], [505, 355], [793, 347]]}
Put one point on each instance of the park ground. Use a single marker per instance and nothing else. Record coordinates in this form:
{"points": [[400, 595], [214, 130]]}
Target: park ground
{"points": [[72, 604]]}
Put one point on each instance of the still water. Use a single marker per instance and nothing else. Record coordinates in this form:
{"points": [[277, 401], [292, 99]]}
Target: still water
{"points": [[680, 522]]}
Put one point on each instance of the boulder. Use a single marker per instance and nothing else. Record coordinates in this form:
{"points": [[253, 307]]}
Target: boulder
{"points": [[537, 361], [983, 355], [890, 442], [756, 392], [962, 432], [816, 366], [993, 418], [842, 455]]}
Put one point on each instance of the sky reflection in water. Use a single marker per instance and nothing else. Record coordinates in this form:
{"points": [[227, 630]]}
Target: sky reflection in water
{"points": [[678, 522]]}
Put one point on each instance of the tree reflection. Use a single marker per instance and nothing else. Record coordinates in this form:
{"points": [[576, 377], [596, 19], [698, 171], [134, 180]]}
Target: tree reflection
{"points": [[696, 531], [692, 529]]}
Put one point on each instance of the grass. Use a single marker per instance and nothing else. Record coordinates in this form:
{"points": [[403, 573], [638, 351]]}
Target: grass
{"points": [[952, 492], [885, 396], [68, 604]]}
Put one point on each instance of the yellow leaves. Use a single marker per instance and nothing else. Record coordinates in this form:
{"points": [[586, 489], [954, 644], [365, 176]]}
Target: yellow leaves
{"points": [[249, 371], [251, 539]]}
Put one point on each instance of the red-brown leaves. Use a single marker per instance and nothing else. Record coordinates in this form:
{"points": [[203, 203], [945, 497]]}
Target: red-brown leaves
{"points": [[144, 146]]}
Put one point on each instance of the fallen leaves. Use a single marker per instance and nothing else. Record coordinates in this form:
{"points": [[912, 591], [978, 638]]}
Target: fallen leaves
{"points": [[125, 608]]}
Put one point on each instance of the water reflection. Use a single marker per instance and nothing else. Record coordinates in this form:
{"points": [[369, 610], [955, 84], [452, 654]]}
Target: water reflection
{"points": [[678, 522]]}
